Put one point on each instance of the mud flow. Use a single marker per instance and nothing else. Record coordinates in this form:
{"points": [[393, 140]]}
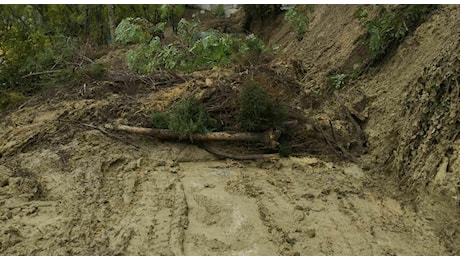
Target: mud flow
{"points": [[373, 167]]}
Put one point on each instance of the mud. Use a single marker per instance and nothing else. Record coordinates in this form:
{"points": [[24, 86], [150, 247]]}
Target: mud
{"points": [[97, 196]]}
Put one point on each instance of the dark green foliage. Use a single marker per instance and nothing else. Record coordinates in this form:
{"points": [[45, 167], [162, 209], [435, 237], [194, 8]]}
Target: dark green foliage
{"points": [[160, 119], [219, 11], [338, 81], [285, 150], [40, 44], [390, 26], [172, 14], [259, 13], [10, 98], [192, 50], [185, 117], [258, 111], [296, 15]]}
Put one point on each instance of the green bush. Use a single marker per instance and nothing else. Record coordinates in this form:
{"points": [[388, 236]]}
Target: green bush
{"points": [[219, 11], [389, 27], [258, 111], [298, 19], [130, 30], [185, 117], [32, 63], [338, 81], [192, 50]]}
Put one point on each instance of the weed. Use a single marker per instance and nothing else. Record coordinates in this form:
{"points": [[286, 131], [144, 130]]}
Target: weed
{"points": [[338, 81], [386, 30], [298, 19]]}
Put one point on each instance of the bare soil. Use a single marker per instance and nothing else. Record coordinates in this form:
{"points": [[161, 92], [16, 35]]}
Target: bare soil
{"points": [[70, 187]]}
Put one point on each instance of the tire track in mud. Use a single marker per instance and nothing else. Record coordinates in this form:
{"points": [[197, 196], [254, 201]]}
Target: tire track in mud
{"points": [[296, 207], [102, 197]]}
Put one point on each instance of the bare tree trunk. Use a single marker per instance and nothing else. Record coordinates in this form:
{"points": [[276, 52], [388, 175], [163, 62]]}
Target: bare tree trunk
{"points": [[269, 138], [111, 23]]}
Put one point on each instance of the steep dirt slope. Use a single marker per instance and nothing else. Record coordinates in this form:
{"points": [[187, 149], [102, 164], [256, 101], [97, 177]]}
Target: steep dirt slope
{"points": [[414, 120], [411, 102], [70, 187]]}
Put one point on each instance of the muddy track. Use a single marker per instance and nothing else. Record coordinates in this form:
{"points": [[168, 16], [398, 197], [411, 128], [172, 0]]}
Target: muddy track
{"points": [[100, 197]]}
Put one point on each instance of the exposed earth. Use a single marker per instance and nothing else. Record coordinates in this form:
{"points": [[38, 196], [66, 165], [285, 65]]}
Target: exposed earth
{"points": [[70, 187]]}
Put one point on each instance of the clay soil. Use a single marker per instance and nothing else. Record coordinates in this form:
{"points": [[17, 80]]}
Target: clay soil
{"points": [[378, 185]]}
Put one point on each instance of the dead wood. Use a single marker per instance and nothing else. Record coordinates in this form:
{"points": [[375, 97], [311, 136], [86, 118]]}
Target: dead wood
{"points": [[362, 136], [268, 138]]}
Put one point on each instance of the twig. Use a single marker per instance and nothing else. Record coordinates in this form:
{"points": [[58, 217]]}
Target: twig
{"points": [[362, 136], [40, 73], [332, 130], [87, 59], [328, 141], [102, 130]]}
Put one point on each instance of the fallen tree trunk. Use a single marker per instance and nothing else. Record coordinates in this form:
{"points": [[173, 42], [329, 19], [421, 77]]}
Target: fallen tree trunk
{"points": [[269, 138]]}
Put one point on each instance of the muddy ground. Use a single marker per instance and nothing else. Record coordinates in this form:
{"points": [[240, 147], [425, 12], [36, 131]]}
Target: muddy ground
{"points": [[68, 186]]}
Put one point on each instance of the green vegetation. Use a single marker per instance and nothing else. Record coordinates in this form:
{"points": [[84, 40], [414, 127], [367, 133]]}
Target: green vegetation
{"points": [[185, 117], [42, 45], [191, 50], [389, 27], [258, 111], [298, 18], [10, 97], [219, 11], [338, 81], [259, 13]]}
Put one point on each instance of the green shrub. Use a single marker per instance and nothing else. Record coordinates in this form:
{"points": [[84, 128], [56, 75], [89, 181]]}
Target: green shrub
{"points": [[258, 111], [387, 29], [185, 117], [298, 19], [193, 50], [131, 30], [338, 81], [219, 11]]}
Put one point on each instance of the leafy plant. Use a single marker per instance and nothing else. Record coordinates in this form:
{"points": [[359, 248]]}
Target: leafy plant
{"points": [[338, 81], [258, 111], [193, 50], [130, 30], [387, 29], [298, 19]]}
